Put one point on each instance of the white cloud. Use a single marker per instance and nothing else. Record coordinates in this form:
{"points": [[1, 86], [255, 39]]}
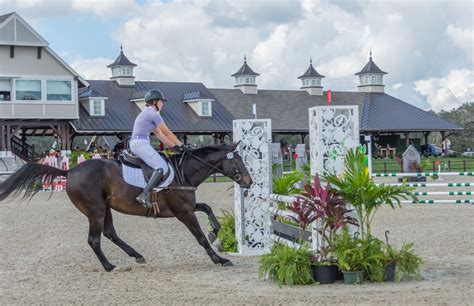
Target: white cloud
{"points": [[205, 41], [397, 86], [40, 9], [463, 39], [93, 69], [448, 92]]}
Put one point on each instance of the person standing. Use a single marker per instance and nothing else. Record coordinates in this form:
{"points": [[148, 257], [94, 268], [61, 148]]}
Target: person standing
{"points": [[150, 120]]}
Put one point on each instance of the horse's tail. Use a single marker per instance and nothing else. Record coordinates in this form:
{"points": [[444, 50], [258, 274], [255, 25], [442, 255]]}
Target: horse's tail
{"points": [[29, 178]]}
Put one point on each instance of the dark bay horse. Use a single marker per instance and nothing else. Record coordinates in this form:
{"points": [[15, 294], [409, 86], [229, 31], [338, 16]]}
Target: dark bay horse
{"points": [[97, 186]]}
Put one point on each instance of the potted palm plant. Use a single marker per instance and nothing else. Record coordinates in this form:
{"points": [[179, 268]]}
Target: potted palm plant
{"points": [[357, 188]]}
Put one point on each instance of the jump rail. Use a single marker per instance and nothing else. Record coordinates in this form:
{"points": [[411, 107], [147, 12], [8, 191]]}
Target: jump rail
{"points": [[423, 174]]}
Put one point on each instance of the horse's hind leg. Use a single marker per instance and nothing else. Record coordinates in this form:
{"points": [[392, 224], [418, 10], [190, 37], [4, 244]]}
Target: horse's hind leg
{"points": [[189, 219], [212, 219], [111, 234], [96, 225]]}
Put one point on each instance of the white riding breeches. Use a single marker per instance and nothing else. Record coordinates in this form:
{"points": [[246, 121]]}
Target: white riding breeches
{"points": [[143, 149]]}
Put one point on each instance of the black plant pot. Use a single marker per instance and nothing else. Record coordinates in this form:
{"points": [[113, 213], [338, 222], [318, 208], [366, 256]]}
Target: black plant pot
{"points": [[339, 274], [390, 273], [324, 274]]}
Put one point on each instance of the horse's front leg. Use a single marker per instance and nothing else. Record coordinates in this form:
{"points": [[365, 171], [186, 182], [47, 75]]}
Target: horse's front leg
{"points": [[188, 217], [203, 207]]}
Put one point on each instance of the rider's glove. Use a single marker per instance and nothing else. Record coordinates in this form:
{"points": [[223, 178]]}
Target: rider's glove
{"points": [[179, 149]]}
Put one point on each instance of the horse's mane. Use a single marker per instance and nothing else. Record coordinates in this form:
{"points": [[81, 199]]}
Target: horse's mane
{"points": [[203, 150]]}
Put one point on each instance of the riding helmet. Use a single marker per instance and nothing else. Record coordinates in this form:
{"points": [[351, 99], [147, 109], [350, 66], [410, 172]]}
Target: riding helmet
{"points": [[153, 95]]}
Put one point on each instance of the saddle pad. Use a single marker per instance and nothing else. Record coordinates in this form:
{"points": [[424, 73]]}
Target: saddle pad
{"points": [[134, 176]]}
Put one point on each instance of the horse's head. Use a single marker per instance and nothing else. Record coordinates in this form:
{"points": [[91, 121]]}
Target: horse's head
{"points": [[233, 167]]}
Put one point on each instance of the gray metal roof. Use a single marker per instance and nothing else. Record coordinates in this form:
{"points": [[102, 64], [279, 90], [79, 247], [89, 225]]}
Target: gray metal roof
{"points": [[383, 112], [88, 92], [288, 110], [370, 67], [5, 17], [245, 70], [194, 95], [120, 112], [121, 60], [311, 72]]}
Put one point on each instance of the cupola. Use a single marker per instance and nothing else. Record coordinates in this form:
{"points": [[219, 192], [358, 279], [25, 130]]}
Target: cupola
{"points": [[311, 81], [245, 79], [371, 77], [122, 70]]}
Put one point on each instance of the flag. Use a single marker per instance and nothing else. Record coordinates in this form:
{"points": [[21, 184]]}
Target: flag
{"points": [[329, 96]]}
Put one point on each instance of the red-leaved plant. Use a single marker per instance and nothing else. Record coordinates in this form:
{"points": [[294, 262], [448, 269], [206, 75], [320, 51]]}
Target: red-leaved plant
{"points": [[305, 212], [330, 212]]}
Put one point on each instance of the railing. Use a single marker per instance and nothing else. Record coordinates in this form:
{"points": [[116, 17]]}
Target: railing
{"points": [[23, 150], [448, 165]]}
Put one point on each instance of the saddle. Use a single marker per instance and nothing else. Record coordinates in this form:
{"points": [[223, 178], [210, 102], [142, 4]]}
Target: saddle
{"points": [[129, 159]]}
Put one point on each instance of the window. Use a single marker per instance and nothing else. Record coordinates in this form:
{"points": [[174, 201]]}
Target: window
{"points": [[318, 82], [28, 89], [58, 90], [5, 89], [374, 79], [129, 71], [247, 80], [97, 108], [205, 108], [313, 82]]}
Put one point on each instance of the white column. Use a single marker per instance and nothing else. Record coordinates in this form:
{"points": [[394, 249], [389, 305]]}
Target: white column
{"points": [[251, 212], [333, 130]]}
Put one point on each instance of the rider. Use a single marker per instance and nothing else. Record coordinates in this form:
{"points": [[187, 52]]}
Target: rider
{"points": [[147, 121]]}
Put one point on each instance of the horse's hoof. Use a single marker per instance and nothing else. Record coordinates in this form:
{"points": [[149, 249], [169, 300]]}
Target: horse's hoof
{"points": [[141, 260], [212, 237], [228, 264]]}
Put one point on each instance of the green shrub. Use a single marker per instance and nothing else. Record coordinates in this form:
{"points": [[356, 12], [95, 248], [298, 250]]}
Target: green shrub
{"points": [[409, 264], [286, 185], [287, 266], [227, 231], [75, 155]]}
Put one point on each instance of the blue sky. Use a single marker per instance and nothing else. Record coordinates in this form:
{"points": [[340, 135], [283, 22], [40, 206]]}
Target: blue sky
{"points": [[425, 46]]}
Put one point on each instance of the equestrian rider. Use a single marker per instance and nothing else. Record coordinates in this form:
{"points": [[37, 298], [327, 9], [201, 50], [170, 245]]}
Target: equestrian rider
{"points": [[147, 121]]}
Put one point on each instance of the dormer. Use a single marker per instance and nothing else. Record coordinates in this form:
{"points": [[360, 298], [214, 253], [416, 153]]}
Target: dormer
{"points": [[122, 70], [245, 79], [311, 81], [92, 101], [200, 103], [371, 77]]}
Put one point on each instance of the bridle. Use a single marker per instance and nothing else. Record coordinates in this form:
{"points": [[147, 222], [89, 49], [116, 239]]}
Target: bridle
{"points": [[237, 176]]}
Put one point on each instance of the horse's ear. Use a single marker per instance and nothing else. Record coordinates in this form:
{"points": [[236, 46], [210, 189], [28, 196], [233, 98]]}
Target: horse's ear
{"points": [[234, 146]]}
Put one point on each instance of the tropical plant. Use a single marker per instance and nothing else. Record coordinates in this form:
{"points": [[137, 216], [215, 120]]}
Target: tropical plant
{"points": [[286, 265], [226, 233], [331, 214], [350, 255], [287, 185], [305, 215], [357, 187], [408, 264]]}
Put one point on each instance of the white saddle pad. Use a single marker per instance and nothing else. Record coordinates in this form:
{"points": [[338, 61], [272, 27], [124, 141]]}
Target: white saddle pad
{"points": [[135, 177]]}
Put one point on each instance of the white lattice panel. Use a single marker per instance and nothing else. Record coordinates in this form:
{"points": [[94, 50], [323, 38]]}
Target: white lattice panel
{"points": [[251, 212], [333, 130]]}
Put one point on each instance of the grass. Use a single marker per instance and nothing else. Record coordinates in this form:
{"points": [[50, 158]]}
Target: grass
{"points": [[453, 164]]}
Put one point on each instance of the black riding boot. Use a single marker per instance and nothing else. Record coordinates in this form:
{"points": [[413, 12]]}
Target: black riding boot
{"points": [[144, 197]]}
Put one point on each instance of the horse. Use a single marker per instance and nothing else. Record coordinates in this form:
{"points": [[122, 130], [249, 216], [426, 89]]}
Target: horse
{"points": [[96, 186]]}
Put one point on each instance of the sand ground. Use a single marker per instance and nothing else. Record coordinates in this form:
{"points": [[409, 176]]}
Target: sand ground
{"points": [[45, 259]]}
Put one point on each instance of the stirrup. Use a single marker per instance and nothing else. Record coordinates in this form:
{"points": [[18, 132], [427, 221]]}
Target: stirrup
{"points": [[144, 200]]}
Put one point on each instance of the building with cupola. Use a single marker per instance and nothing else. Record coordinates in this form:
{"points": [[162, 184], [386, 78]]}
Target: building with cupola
{"points": [[41, 95]]}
